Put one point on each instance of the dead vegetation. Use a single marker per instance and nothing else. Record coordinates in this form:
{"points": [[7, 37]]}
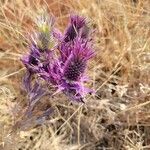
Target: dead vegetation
{"points": [[117, 116]]}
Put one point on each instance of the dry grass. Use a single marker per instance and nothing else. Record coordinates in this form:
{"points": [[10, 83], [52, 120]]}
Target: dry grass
{"points": [[117, 117]]}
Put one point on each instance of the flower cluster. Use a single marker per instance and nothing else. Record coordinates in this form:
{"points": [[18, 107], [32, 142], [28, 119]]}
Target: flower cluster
{"points": [[58, 58]]}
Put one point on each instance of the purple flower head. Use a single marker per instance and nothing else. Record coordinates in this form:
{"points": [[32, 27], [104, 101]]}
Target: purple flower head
{"points": [[74, 68], [32, 60], [76, 24], [43, 38], [78, 28], [42, 45], [76, 63]]}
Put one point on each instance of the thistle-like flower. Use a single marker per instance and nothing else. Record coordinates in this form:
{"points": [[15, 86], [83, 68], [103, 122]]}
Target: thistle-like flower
{"points": [[42, 44], [75, 50], [74, 68], [65, 72], [32, 60], [38, 59], [78, 27], [77, 24], [44, 38], [75, 65]]}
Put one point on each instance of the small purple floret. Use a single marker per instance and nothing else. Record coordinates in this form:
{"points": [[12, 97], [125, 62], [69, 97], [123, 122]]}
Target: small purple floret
{"points": [[76, 24]]}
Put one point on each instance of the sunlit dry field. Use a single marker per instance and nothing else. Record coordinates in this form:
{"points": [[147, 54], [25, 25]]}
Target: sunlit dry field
{"points": [[117, 115]]}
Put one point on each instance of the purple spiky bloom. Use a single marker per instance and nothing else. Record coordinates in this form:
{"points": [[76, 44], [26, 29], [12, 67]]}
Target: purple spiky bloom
{"points": [[78, 27], [32, 60], [76, 63], [68, 71], [65, 72], [42, 44], [38, 60], [74, 68], [77, 23]]}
